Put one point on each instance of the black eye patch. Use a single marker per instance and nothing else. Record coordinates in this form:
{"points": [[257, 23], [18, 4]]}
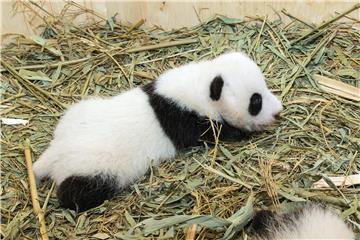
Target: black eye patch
{"points": [[216, 88], [255, 104]]}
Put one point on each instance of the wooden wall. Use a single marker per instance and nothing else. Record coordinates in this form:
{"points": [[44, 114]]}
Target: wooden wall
{"points": [[171, 14]]}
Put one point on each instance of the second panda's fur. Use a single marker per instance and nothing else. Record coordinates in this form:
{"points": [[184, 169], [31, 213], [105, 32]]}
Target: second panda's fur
{"points": [[103, 144], [309, 222]]}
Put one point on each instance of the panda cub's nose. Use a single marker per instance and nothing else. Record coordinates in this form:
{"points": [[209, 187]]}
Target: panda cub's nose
{"points": [[277, 112], [277, 116]]}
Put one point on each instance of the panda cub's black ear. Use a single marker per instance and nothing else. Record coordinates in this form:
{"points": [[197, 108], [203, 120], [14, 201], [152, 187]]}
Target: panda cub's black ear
{"points": [[216, 88]]}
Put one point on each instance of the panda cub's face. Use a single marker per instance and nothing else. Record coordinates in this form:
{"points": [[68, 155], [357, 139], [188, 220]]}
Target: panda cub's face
{"points": [[240, 95]]}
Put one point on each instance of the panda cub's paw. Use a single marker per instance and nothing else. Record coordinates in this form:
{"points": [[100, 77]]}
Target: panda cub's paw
{"points": [[80, 193]]}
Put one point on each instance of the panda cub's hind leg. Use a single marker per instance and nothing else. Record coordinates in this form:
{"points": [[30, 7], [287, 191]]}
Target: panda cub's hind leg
{"points": [[81, 193]]}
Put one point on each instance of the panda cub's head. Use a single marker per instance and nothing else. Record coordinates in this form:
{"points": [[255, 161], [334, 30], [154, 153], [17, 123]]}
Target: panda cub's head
{"points": [[239, 93], [229, 88]]}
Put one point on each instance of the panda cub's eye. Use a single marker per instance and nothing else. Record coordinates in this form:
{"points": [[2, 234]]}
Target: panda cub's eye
{"points": [[255, 104]]}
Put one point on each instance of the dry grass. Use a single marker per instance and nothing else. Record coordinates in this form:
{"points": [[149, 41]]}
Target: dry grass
{"points": [[216, 189]]}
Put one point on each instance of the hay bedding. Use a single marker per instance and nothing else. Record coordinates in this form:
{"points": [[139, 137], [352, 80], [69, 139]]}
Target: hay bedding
{"points": [[213, 190]]}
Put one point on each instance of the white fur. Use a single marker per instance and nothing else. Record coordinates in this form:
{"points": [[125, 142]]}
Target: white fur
{"points": [[313, 223], [118, 135], [121, 135]]}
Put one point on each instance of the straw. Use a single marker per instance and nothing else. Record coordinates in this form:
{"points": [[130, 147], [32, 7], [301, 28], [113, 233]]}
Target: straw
{"points": [[207, 192]]}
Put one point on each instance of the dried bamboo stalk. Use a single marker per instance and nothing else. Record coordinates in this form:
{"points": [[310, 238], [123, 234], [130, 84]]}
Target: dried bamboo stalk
{"points": [[339, 181], [338, 88], [33, 192]]}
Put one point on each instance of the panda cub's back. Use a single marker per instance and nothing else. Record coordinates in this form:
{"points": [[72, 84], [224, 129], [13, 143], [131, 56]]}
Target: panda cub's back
{"points": [[121, 132]]}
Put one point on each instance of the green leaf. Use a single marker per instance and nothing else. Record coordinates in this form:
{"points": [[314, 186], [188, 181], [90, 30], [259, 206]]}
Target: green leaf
{"points": [[228, 20], [151, 225], [129, 219], [42, 42], [56, 73], [101, 236], [291, 197], [170, 233], [110, 22], [240, 219], [349, 72], [30, 75], [226, 152], [329, 182], [68, 217]]}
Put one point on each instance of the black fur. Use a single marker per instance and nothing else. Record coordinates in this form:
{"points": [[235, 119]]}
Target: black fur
{"points": [[261, 222], [255, 104], [81, 193], [216, 88], [265, 223], [185, 128]]}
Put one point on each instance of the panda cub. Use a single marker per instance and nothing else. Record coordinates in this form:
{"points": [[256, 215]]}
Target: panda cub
{"points": [[309, 222], [101, 145]]}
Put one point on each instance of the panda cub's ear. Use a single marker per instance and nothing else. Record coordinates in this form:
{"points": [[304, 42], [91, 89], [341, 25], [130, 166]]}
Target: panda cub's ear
{"points": [[216, 88]]}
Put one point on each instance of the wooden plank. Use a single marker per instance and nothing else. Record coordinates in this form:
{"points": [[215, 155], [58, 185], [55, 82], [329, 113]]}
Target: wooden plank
{"points": [[175, 14], [339, 181], [338, 88]]}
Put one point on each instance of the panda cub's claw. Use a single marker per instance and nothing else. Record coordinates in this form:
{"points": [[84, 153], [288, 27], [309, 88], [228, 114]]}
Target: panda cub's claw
{"points": [[81, 193]]}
